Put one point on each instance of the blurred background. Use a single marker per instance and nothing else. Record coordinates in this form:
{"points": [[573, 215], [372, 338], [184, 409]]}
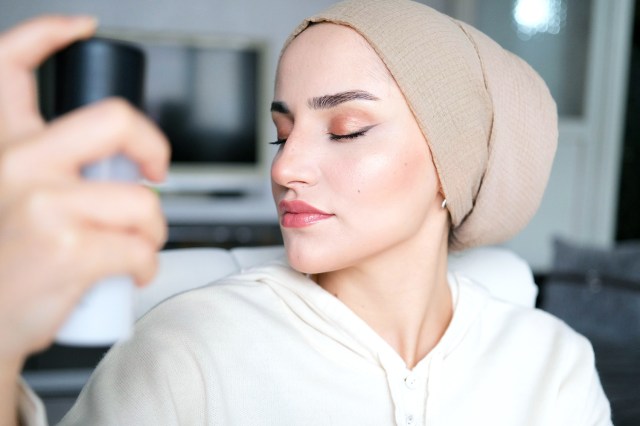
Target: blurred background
{"points": [[211, 66]]}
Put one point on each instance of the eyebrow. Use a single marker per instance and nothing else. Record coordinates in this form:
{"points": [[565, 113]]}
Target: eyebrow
{"points": [[330, 101], [281, 107], [327, 101]]}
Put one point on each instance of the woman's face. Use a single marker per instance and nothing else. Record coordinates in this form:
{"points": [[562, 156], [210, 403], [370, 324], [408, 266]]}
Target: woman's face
{"points": [[353, 178]]}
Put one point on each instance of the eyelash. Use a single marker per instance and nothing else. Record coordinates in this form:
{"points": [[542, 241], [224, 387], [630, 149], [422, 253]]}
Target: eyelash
{"points": [[350, 135], [333, 137]]}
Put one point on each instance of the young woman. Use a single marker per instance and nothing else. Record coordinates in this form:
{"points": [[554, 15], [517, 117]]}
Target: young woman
{"points": [[402, 134]]}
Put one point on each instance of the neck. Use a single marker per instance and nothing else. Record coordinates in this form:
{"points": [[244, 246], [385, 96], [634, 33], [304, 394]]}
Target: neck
{"points": [[401, 293]]}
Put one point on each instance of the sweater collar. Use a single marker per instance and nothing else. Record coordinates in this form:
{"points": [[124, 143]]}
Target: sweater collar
{"points": [[321, 312]]}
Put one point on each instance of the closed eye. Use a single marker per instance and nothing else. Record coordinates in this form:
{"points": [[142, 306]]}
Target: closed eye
{"points": [[278, 142], [353, 135], [332, 136]]}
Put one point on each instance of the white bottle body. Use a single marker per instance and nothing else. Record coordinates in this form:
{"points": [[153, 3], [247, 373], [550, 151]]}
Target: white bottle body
{"points": [[105, 313]]}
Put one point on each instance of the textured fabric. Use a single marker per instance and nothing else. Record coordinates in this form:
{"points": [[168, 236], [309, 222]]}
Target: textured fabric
{"points": [[270, 347], [597, 292], [488, 118]]}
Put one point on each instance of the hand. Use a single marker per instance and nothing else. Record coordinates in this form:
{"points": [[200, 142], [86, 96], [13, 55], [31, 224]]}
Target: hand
{"points": [[59, 233]]}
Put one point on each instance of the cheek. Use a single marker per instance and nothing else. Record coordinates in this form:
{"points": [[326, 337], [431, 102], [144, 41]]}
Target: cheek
{"points": [[381, 179]]}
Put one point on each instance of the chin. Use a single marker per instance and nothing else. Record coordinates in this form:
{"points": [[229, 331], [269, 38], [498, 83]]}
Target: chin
{"points": [[303, 264], [309, 261]]}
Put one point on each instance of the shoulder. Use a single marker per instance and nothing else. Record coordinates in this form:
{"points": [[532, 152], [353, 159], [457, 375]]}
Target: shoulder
{"points": [[235, 298], [501, 320], [240, 305], [532, 336], [561, 361], [533, 350], [189, 345], [539, 328]]}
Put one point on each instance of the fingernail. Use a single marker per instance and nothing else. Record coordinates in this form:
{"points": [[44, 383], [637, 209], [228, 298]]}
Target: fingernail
{"points": [[86, 23]]}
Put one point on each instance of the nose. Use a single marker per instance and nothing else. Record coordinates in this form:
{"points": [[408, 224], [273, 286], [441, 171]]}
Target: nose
{"points": [[295, 164]]}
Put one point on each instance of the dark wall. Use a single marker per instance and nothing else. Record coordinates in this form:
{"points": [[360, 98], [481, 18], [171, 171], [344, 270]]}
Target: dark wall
{"points": [[629, 196]]}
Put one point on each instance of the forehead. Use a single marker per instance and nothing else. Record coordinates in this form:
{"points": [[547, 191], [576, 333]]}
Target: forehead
{"points": [[329, 58]]}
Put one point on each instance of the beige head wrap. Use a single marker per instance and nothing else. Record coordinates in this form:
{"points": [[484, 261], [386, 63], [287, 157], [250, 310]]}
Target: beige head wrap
{"points": [[489, 119]]}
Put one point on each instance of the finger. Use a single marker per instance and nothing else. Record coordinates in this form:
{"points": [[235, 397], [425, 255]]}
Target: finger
{"points": [[106, 254], [98, 255], [22, 49], [29, 44], [119, 206], [55, 211], [82, 137], [42, 231], [110, 127], [35, 299]]}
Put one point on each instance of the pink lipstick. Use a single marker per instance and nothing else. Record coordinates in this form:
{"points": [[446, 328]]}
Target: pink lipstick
{"points": [[298, 214]]}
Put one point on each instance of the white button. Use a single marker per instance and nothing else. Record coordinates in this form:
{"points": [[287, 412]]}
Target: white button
{"points": [[411, 381], [410, 420]]}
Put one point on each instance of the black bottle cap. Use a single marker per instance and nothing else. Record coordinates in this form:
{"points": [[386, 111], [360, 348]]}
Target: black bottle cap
{"points": [[91, 70]]}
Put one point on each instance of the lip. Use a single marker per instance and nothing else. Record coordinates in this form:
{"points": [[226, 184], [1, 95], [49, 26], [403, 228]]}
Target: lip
{"points": [[298, 214]]}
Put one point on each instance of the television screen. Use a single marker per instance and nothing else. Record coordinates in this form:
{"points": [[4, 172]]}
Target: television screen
{"points": [[205, 100]]}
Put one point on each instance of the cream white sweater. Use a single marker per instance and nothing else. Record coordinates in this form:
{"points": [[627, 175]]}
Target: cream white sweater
{"points": [[270, 347]]}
